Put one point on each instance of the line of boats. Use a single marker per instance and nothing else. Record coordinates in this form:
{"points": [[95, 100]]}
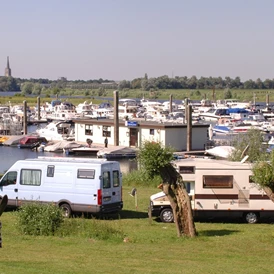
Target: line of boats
{"points": [[223, 116]]}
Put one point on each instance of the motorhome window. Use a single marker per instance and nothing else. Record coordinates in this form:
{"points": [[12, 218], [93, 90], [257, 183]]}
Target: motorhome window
{"points": [[89, 130], [151, 131], [9, 179], [218, 181], [30, 177], [50, 171], [116, 178], [106, 131], [106, 179], [187, 169], [86, 173], [251, 179]]}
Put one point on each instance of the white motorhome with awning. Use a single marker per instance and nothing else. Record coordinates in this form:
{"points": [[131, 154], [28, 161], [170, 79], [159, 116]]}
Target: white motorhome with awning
{"points": [[217, 188], [74, 184]]}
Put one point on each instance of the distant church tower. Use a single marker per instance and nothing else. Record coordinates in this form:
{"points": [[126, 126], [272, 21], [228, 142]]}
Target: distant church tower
{"points": [[8, 70]]}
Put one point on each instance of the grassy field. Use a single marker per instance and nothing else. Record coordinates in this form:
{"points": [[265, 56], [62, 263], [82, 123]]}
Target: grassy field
{"points": [[243, 95], [149, 246]]}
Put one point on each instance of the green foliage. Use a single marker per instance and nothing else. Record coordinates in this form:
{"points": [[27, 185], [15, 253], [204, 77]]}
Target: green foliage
{"points": [[227, 94], [152, 156], [254, 140], [263, 173], [27, 88], [92, 229], [39, 219], [140, 178]]}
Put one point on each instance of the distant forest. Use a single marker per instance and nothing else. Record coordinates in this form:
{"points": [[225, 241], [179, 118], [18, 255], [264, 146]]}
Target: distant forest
{"points": [[147, 84]]}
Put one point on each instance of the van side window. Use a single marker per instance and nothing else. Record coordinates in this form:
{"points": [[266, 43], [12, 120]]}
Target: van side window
{"points": [[50, 171], [30, 177], [9, 179], [86, 173], [187, 169], [106, 179], [116, 179], [218, 181]]}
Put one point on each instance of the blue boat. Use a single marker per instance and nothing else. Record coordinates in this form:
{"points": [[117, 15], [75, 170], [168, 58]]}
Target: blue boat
{"points": [[221, 129]]}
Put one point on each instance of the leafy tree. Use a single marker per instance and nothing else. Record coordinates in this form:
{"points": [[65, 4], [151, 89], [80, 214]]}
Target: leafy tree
{"points": [[263, 175], [227, 94], [252, 142], [124, 84], [37, 88], [27, 88], [156, 159]]}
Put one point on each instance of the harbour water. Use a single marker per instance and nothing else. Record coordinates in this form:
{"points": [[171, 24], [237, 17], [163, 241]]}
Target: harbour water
{"points": [[9, 155]]}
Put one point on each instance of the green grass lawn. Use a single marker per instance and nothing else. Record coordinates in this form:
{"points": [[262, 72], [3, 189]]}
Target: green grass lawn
{"points": [[149, 247]]}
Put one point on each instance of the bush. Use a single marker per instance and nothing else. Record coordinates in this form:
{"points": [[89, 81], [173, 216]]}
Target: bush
{"points": [[140, 178], [39, 219]]}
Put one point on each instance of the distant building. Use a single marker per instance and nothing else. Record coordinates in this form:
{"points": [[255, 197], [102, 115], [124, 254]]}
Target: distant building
{"points": [[8, 70]]}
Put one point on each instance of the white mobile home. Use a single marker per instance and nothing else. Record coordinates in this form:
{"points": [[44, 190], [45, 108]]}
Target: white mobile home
{"points": [[217, 188], [74, 184]]}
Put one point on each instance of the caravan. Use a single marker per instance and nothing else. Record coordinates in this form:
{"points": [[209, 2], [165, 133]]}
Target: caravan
{"points": [[74, 184], [217, 188]]}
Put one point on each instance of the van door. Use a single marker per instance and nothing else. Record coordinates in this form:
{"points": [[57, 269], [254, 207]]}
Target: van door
{"points": [[9, 186], [111, 192], [29, 185], [116, 186]]}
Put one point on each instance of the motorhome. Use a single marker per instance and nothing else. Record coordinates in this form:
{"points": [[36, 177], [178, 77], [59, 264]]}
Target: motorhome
{"points": [[217, 189], [73, 184]]}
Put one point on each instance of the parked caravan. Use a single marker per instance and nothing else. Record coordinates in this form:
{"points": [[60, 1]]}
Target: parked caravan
{"points": [[74, 184], [217, 189]]}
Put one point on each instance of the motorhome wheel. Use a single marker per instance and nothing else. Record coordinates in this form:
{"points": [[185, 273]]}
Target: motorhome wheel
{"points": [[66, 210], [166, 215], [251, 217]]}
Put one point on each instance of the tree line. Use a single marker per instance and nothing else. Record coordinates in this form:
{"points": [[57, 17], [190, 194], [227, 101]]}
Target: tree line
{"points": [[145, 83]]}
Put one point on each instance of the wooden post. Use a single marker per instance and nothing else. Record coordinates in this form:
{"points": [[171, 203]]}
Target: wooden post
{"points": [[25, 121], [186, 108], [267, 100], [170, 103], [116, 117], [189, 128], [38, 108]]}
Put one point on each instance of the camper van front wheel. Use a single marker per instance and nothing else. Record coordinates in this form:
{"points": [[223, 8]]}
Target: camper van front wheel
{"points": [[66, 210], [166, 215], [251, 217]]}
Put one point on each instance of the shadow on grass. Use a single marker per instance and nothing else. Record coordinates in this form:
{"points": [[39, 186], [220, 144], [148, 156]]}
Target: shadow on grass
{"points": [[214, 233], [123, 214]]}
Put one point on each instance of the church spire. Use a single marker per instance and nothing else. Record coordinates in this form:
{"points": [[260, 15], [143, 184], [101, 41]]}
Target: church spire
{"points": [[8, 62], [8, 70]]}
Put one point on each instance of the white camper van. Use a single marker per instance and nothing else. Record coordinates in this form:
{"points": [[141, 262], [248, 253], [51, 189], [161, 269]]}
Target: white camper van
{"points": [[74, 184], [217, 188]]}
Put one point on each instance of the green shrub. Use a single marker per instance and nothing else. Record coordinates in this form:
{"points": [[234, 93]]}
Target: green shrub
{"points": [[140, 178], [39, 219]]}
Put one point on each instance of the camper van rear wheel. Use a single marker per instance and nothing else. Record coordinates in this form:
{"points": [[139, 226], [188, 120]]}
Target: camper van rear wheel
{"points": [[251, 217], [66, 210], [166, 215]]}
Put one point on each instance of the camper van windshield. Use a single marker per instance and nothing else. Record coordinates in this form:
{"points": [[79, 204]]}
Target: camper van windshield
{"points": [[9, 179]]}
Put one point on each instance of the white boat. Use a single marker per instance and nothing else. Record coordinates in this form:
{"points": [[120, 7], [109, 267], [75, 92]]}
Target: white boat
{"points": [[244, 127], [63, 112], [220, 151], [214, 114], [83, 107], [57, 131]]}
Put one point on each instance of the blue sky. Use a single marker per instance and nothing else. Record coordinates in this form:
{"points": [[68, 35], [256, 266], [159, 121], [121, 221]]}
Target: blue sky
{"points": [[124, 39]]}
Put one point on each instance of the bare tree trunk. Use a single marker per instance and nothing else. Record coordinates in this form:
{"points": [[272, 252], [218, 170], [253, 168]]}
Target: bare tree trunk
{"points": [[269, 193], [174, 188]]}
